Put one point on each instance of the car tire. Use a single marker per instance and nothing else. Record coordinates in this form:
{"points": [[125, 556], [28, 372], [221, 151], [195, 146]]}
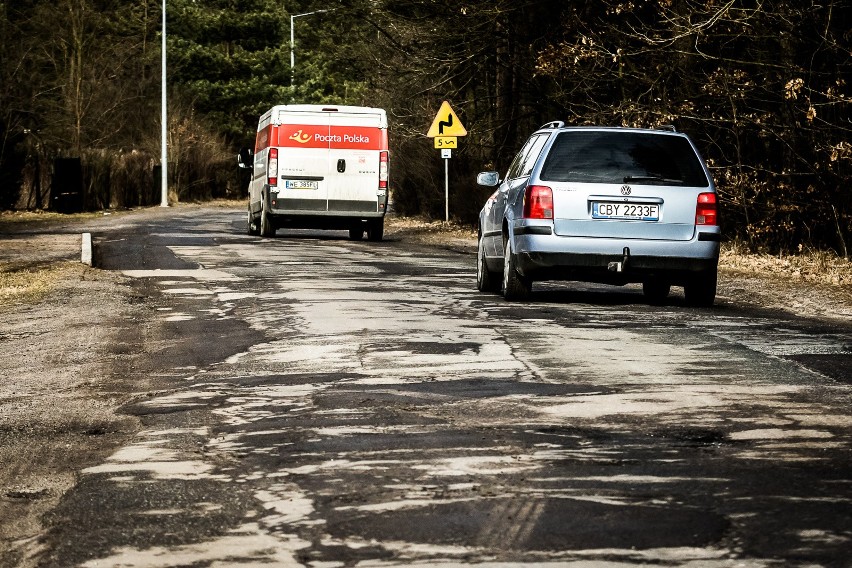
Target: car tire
{"points": [[515, 286], [251, 224], [356, 233], [656, 291], [700, 289], [486, 281], [376, 230], [267, 229]]}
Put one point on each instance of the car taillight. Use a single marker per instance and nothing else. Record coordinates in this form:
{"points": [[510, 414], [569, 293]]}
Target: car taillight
{"points": [[272, 167], [705, 211], [538, 202], [383, 170]]}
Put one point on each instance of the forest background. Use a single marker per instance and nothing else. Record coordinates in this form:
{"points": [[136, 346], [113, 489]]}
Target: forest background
{"points": [[762, 86]]}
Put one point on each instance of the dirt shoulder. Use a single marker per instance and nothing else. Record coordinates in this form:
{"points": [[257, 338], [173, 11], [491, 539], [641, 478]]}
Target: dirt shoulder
{"points": [[57, 411]]}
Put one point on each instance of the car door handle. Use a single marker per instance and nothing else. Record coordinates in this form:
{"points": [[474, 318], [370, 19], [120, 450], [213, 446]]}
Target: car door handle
{"points": [[341, 166]]}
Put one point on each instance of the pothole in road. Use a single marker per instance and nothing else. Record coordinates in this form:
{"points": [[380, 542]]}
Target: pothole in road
{"points": [[538, 524], [835, 366], [693, 437]]}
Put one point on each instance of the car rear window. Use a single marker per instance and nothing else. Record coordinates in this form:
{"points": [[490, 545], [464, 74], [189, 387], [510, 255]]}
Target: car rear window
{"points": [[623, 157]]}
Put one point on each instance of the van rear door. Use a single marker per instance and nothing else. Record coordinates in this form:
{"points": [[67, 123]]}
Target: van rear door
{"points": [[303, 140], [356, 140]]}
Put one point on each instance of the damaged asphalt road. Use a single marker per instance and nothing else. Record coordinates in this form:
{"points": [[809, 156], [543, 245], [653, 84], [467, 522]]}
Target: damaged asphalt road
{"points": [[307, 400]]}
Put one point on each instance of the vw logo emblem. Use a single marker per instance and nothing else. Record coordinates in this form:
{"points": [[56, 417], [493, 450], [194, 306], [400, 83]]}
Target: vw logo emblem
{"points": [[625, 190]]}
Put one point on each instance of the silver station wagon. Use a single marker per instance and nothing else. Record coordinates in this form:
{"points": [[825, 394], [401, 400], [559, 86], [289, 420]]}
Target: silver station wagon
{"points": [[606, 205]]}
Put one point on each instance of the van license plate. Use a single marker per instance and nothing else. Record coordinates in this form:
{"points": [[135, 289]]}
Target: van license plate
{"points": [[633, 211], [300, 184]]}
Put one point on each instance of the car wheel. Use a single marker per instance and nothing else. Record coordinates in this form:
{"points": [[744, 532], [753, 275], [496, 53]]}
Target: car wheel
{"points": [[656, 290], [267, 229], [251, 224], [356, 233], [376, 230], [486, 281], [700, 289], [515, 286]]}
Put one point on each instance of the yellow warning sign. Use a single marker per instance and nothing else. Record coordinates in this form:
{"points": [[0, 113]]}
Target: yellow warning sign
{"points": [[446, 123]]}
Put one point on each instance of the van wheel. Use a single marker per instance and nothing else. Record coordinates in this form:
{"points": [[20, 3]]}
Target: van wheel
{"points": [[700, 289], [515, 286], [267, 229], [251, 224], [376, 230], [356, 233]]}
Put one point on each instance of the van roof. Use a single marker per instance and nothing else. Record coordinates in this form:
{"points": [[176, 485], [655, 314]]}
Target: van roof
{"points": [[329, 108]]}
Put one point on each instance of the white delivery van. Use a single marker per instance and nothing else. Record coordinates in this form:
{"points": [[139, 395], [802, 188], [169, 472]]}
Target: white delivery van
{"points": [[320, 167]]}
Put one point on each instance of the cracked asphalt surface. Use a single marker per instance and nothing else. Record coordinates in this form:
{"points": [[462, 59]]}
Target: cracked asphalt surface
{"points": [[207, 398]]}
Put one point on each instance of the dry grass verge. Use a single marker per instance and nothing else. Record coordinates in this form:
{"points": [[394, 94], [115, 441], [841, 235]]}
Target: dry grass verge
{"points": [[18, 217], [809, 266], [431, 232], [28, 284]]}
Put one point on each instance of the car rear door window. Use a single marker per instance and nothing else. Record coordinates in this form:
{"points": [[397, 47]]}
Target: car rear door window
{"points": [[620, 157], [525, 159], [532, 156]]}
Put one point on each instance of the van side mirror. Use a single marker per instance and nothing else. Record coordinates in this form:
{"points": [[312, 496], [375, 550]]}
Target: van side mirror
{"points": [[245, 159], [488, 179]]}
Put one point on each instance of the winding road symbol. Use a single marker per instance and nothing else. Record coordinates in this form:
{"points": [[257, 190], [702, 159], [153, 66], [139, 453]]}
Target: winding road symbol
{"points": [[443, 123]]}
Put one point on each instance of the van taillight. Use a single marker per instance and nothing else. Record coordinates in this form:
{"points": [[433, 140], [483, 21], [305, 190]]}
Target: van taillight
{"points": [[272, 167], [383, 170], [538, 202], [705, 211]]}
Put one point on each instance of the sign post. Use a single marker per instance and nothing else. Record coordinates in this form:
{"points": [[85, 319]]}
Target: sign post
{"points": [[445, 130], [446, 155]]}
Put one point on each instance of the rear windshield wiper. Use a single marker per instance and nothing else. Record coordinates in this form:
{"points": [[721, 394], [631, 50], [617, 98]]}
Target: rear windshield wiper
{"points": [[659, 179]]}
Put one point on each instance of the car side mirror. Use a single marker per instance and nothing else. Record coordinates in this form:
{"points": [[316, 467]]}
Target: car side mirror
{"points": [[245, 159], [488, 179]]}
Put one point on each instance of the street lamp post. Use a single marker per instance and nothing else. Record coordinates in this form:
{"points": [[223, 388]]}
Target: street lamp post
{"points": [[164, 126], [293, 39]]}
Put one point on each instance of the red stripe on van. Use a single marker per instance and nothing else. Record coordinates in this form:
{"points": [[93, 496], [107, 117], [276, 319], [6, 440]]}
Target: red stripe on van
{"points": [[358, 138], [316, 136]]}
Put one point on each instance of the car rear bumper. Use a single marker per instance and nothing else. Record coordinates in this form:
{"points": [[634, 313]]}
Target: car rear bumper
{"points": [[616, 261]]}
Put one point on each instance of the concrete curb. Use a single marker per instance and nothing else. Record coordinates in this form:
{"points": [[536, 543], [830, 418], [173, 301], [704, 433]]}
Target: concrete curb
{"points": [[86, 255]]}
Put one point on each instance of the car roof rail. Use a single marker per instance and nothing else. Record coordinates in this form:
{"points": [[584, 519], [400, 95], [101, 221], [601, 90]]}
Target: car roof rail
{"points": [[553, 124], [669, 127]]}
